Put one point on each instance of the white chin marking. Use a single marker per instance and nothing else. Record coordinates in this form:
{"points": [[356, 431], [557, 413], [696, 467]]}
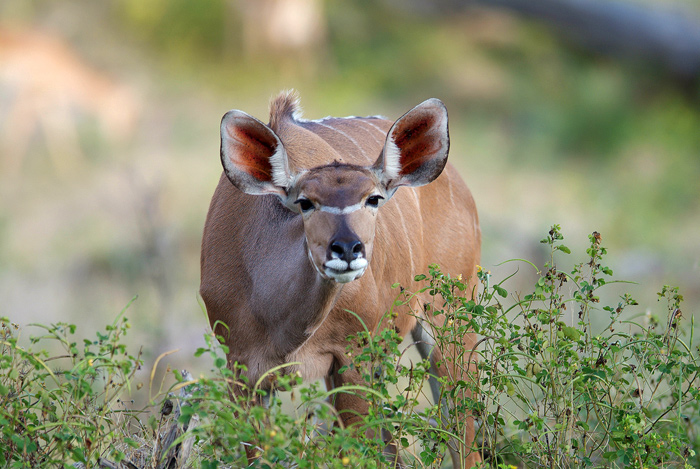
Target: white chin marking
{"points": [[336, 264], [358, 264], [341, 272], [344, 277]]}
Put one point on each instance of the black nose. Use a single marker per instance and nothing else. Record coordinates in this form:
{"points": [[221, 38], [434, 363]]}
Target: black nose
{"points": [[347, 250]]}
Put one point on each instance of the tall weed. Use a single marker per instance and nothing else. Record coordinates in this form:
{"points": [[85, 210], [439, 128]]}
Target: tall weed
{"points": [[560, 378]]}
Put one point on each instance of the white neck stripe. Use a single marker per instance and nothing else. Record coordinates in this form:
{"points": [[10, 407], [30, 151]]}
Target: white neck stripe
{"points": [[340, 211], [354, 142]]}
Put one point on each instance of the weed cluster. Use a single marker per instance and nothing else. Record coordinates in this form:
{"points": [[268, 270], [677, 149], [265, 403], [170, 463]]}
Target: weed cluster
{"points": [[563, 382], [64, 408], [557, 380]]}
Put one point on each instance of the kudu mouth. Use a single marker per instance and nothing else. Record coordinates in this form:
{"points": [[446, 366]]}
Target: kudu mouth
{"points": [[343, 271], [345, 256]]}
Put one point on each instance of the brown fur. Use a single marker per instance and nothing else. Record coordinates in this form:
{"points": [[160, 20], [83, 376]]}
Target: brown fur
{"points": [[256, 274]]}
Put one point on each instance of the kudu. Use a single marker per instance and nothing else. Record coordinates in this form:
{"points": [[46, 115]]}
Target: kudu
{"points": [[308, 222]]}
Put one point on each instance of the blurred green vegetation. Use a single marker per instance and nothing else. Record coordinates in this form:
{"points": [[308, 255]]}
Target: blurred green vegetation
{"points": [[543, 132]]}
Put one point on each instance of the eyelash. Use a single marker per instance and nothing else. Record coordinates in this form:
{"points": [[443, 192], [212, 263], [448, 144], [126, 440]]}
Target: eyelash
{"points": [[304, 204], [373, 200]]}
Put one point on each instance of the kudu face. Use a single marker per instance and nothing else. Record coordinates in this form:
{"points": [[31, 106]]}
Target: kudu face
{"points": [[338, 203], [339, 206]]}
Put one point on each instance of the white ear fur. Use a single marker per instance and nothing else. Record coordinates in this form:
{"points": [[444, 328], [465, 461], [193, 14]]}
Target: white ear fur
{"points": [[392, 159], [281, 176]]}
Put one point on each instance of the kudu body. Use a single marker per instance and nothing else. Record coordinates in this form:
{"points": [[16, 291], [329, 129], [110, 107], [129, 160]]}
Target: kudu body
{"points": [[307, 222]]}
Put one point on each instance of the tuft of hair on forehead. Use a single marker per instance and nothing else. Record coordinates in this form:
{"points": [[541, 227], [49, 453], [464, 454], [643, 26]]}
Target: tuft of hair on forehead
{"points": [[285, 106]]}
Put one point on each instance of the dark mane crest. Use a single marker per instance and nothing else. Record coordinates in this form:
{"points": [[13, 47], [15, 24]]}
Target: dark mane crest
{"points": [[284, 107]]}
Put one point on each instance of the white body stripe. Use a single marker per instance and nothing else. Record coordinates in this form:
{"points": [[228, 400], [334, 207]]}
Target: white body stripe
{"points": [[346, 136], [373, 134], [374, 125], [327, 118], [405, 230]]}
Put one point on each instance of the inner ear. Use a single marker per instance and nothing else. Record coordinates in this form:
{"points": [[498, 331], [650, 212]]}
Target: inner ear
{"points": [[253, 156], [418, 139], [416, 147]]}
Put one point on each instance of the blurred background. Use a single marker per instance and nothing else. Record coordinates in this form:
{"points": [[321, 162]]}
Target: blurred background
{"points": [[584, 113]]}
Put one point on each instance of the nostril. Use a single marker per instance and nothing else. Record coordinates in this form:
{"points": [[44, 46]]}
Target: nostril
{"points": [[338, 249], [346, 250]]}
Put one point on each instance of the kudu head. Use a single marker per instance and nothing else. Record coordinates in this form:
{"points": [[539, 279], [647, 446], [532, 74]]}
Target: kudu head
{"points": [[338, 202]]}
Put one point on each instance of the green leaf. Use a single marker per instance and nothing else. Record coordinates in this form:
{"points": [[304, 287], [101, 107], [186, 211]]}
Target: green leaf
{"points": [[131, 442], [564, 249], [572, 333], [220, 362], [501, 291]]}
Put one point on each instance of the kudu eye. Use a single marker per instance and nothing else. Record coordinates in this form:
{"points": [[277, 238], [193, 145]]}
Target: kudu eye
{"points": [[373, 200], [304, 204]]}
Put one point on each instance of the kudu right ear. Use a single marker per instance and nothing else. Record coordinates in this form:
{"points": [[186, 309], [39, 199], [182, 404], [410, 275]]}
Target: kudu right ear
{"points": [[253, 156], [416, 147]]}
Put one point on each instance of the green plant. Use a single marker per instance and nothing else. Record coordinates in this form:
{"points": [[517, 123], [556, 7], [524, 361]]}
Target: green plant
{"points": [[564, 378], [393, 390], [562, 382], [58, 415], [231, 422]]}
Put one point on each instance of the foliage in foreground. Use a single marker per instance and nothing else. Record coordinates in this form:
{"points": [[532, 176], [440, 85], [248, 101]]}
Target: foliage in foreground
{"points": [[560, 381], [566, 382], [63, 408]]}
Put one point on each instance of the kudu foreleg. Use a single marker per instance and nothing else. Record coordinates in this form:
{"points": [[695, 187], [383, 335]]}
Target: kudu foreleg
{"points": [[463, 457], [353, 407]]}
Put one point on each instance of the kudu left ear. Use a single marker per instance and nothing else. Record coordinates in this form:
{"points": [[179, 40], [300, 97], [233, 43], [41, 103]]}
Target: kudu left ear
{"points": [[253, 156], [416, 147]]}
